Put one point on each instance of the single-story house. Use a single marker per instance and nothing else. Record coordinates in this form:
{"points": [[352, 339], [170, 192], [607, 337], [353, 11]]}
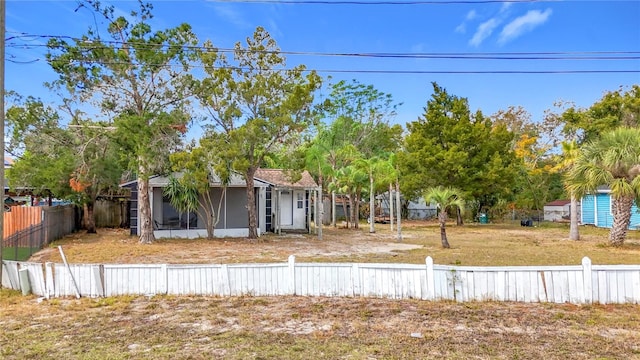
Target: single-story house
{"points": [[271, 194], [417, 209], [293, 200], [596, 210], [558, 210]]}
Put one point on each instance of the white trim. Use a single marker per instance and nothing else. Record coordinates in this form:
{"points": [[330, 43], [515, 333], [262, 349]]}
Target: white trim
{"points": [[202, 233]]}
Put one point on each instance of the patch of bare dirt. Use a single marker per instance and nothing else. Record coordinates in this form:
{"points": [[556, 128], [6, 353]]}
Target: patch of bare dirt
{"points": [[116, 245]]}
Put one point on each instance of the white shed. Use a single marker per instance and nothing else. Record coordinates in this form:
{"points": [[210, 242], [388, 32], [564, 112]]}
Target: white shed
{"points": [[557, 210]]}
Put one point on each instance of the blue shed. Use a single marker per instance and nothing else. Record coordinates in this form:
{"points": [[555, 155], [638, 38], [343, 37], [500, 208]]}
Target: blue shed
{"points": [[596, 210]]}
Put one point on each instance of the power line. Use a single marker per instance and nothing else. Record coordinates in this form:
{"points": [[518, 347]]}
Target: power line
{"points": [[557, 55]]}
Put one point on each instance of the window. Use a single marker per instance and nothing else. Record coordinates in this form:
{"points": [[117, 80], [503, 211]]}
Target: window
{"points": [[300, 201], [172, 219]]}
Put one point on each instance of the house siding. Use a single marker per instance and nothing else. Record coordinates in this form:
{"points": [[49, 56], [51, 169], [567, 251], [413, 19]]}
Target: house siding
{"points": [[596, 210], [588, 213], [603, 209]]}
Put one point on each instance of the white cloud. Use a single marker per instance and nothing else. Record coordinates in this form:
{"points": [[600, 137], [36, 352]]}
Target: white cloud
{"points": [[472, 14], [461, 29], [484, 31], [523, 24], [232, 15]]}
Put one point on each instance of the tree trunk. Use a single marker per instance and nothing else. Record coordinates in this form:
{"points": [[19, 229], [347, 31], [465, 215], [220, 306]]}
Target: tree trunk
{"points": [[89, 218], [146, 224], [355, 215], [621, 219], [399, 212], [372, 208], [442, 217], [320, 213], [251, 205], [574, 233], [391, 205], [459, 220], [333, 208], [347, 216]]}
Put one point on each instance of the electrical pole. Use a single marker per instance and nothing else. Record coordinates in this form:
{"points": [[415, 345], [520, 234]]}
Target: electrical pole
{"points": [[3, 4]]}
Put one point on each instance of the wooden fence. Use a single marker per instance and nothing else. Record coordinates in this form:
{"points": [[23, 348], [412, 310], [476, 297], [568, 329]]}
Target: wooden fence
{"points": [[55, 222], [20, 218], [579, 284]]}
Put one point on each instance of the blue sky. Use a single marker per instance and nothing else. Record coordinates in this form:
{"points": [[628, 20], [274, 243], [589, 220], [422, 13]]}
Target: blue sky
{"points": [[472, 27]]}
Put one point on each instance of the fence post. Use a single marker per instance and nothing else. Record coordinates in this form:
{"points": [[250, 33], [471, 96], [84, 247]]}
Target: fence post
{"points": [[292, 274], [49, 282], [165, 279], [431, 281], [355, 280], [587, 277]]}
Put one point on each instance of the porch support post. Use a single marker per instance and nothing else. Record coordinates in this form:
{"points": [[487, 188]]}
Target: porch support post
{"points": [[278, 211], [310, 198]]}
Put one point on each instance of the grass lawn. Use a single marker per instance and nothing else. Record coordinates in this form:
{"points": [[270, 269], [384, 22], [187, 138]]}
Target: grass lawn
{"points": [[171, 327], [18, 254]]}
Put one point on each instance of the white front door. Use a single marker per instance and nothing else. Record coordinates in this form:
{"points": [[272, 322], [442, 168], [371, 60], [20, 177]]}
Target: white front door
{"points": [[286, 208]]}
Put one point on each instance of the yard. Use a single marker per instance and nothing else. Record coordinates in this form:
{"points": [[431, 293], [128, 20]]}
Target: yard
{"points": [[163, 327]]}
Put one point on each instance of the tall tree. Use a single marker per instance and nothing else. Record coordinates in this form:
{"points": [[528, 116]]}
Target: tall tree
{"points": [[254, 105], [613, 159], [446, 198], [450, 145], [139, 79], [74, 159], [190, 190], [614, 109]]}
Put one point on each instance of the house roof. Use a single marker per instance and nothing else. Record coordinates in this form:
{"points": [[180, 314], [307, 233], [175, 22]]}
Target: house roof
{"points": [[236, 180], [280, 178], [558, 203]]}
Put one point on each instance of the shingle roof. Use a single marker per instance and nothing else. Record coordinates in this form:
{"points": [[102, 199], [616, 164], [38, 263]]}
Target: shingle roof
{"points": [[279, 177], [558, 203]]}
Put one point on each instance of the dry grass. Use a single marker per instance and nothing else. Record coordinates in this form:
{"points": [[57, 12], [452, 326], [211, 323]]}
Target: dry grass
{"points": [[167, 327], [482, 245], [311, 328]]}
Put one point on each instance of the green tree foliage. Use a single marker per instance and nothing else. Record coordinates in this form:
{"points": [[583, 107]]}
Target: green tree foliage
{"points": [[613, 159], [139, 80], [73, 159], [446, 198], [255, 106], [450, 145], [190, 190], [615, 109]]}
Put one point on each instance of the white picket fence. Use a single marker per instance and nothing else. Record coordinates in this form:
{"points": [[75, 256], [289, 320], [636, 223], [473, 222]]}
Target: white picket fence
{"points": [[578, 284]]}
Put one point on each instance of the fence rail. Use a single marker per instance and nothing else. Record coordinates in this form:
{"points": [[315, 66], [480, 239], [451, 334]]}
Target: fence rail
{"points": [[578, 284]]}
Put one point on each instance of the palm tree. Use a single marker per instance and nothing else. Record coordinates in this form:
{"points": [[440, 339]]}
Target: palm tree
{"points": [[612, 160], [570, 151], [445, 198]]}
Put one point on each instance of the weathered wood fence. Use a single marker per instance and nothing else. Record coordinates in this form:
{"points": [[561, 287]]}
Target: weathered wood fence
{"points": [[578, 284], [34, 227]]}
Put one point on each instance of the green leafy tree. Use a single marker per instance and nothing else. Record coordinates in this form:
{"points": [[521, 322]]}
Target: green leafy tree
{"points": [[191, 191], [450, 145], [613, 159], [615, 109], [255, 106], [73, 159], [359, 128], [446, 199], [139, 80]]}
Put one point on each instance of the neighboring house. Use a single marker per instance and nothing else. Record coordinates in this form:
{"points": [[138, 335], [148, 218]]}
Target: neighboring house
{"points": [[234, 219], [558, 210], [416, 209], [287, 203], [596, 210]]}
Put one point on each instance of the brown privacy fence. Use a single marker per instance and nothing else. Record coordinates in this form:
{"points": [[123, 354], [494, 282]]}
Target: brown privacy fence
{"points": [[54, 223], [20, 218]]}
